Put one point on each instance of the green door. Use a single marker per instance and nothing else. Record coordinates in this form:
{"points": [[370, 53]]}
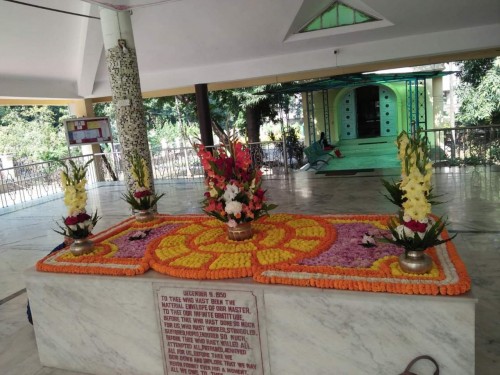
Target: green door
{"points": [[388, 112], [348, 116]]}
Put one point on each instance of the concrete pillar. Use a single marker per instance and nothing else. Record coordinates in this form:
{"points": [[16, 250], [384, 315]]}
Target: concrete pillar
{"points": [[84, 108], [123, 71], [437, 101]]}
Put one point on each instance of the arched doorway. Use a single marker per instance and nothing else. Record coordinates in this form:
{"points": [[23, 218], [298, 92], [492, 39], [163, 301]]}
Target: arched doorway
{"points": [[367, 112]]}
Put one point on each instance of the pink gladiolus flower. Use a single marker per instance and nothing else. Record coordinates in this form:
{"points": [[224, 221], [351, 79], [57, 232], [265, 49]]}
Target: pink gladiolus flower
{"points": [[260, 193]]}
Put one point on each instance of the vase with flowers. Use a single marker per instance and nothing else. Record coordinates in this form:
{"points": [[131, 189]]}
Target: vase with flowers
{"points": [[414, 229], [234, 188], [78, 225], [141, 198]]}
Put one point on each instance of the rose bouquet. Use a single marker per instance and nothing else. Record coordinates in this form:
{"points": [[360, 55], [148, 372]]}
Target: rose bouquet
{"points": [[141, 197], [234, 194], [78, 224], [414, 229]]}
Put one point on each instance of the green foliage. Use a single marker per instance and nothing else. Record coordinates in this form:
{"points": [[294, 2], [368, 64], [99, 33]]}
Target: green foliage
{"points": [[473, 71], [395, 193], [480, 95], [78, 231], [295, 147], [142, 203], [419, 241], [33, 132], [77, 174]]}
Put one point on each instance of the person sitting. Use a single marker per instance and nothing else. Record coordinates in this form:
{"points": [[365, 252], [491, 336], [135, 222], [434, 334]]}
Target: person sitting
{"points": [[327, 147]]}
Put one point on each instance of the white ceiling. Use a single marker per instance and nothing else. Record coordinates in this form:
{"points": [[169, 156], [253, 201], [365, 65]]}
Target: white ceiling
{"points": [[179, 43]]}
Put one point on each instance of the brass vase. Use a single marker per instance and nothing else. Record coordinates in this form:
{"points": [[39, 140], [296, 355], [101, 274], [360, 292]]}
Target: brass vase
{"points": [[81, 246], [415, 261], [240, 232], [143, 216]]}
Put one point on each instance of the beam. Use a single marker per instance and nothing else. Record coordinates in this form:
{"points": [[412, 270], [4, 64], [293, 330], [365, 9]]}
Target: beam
{"points": [[91, 47]]}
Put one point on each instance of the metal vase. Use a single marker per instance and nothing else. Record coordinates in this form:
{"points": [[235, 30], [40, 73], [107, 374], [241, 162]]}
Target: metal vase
{"points": [[240, 232], [416, 262], [81, 246], [143, 216]]}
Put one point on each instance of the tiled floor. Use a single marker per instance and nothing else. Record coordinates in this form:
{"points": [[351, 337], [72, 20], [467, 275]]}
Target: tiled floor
{"points": [[472, 205]]}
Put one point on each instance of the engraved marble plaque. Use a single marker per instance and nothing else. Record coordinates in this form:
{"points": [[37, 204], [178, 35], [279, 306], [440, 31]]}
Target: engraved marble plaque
{"points": [[209, 331]]}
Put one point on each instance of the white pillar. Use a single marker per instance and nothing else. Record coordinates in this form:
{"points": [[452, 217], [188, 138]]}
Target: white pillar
{"points": [[437, 101], [123, 72]]}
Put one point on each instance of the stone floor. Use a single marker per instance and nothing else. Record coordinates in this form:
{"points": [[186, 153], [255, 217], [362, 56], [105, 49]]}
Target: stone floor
{"points": [[472, 206]]}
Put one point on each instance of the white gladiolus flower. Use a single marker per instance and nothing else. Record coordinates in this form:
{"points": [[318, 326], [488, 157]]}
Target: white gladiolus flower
{"points": [[73, 227], [233, 207]]}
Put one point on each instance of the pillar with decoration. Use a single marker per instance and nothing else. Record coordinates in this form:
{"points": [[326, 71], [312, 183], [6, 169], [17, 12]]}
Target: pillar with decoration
{"points": [[121, 59]]}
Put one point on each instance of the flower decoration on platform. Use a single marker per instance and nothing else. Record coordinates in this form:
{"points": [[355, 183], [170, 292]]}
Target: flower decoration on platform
{"points": [[78, 224], [234, 194], [141, 197], [414, 229]]}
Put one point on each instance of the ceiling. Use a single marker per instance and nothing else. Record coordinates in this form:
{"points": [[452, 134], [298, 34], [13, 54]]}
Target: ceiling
{"points": [[179, 43]]}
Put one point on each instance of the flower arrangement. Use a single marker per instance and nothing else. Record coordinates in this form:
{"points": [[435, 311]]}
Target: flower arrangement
{"points": [[414, 229], [141, 197], [78, 224], [234, 194]]}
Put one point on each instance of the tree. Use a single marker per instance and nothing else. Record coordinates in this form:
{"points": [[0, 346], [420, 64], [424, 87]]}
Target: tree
{"points": [[479, 92], [33, 133], [244, 109], [473, 71], [248, 108], [167, 118]]}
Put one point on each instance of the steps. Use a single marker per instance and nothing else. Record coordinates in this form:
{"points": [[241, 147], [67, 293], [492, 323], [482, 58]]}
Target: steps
{"points": [[365, 153], [365, 146]]}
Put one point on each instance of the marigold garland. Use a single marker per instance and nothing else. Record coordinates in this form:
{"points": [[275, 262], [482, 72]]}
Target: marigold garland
{"points": [[383, 276], [101, 260], [201, 250], [196, 247]]}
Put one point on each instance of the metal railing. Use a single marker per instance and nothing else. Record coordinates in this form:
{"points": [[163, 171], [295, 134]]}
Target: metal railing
{"points": [[37, 181], [29, 182], [473, 145]]}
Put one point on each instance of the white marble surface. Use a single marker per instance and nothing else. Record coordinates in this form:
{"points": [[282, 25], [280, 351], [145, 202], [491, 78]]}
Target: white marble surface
{"points": [[99, 325], [105, 325], [473, 212], [325, 333]]}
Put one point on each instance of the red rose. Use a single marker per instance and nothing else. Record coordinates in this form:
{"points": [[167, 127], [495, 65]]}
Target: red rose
{"points": [[83, 217], [142, 194], [415, 226], [71, 220]]}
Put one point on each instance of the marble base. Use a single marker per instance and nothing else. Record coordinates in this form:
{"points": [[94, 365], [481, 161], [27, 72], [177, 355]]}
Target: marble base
{"points": [[109, 325]]}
